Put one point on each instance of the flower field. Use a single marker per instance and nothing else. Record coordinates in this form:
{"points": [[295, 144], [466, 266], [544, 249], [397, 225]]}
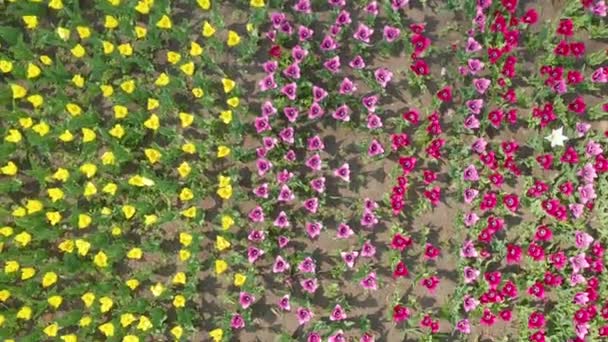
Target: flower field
{"points": [[303, 170]]}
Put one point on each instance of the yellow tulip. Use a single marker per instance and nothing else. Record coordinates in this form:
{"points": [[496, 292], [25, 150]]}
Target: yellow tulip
{"points": [[228, 84], [135, 253], [164, 22], [89, 190], [128, 211], [110, 22], [27, 273], [49, 279], [257, 3], [66, 136], [221, 243], [56, 4], [152, 104], [106, 304], [195, 49], [101, 259], [24, 313], [173, 57], [223, 151], [36, 100], [78, 80], [179, 278], [55, 301], [33, 206], [33, 70], [132, 284], [6, 66], [153, 155], [83, 32], [226, 116], [185, 239], [108, 47], [10, 169], [162, 80], [106, 90], [84, 221], [128, 86], [204, 4], [220, 266], [23, 239], [127, 319], [157, 289], [18, 91], [184, 169], [73, 109], [187, 68], [198, 92], [42, 128], [31, 21], [239, 279], [233, 38], [179, 301], [107, 329], [140, 32], [117, 131], [53, 217], [88, 135], [55, 194], [82, 246], [51, 330], [88, 169], [78, 51], [13, 136], [227, 222], [125, 49], [208, 30], [186, 195], [216, 335], [177, 331]]}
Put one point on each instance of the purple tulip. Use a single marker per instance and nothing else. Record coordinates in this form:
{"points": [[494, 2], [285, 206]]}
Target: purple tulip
{"points": [[337, 314], [307, 265], [237, 321], [342, 113], [280, 265], [313, 229], [343, 172], [344, 231], [246, 299], [391, 34], [333, 64], [256, 214], [284, 303], [267, 83], [314, 163], [290, 90], [261, 124], [291, 113], [315, 111], [318, 184], [287, 135], [357, 63], [311, 204], [281, 221], [268, 109], [349, 258], [363, 33], [369, 281], [304, 33]]}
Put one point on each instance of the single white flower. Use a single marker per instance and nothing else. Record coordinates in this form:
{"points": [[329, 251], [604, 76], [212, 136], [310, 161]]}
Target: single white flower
{"points": [[557, 137]]}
